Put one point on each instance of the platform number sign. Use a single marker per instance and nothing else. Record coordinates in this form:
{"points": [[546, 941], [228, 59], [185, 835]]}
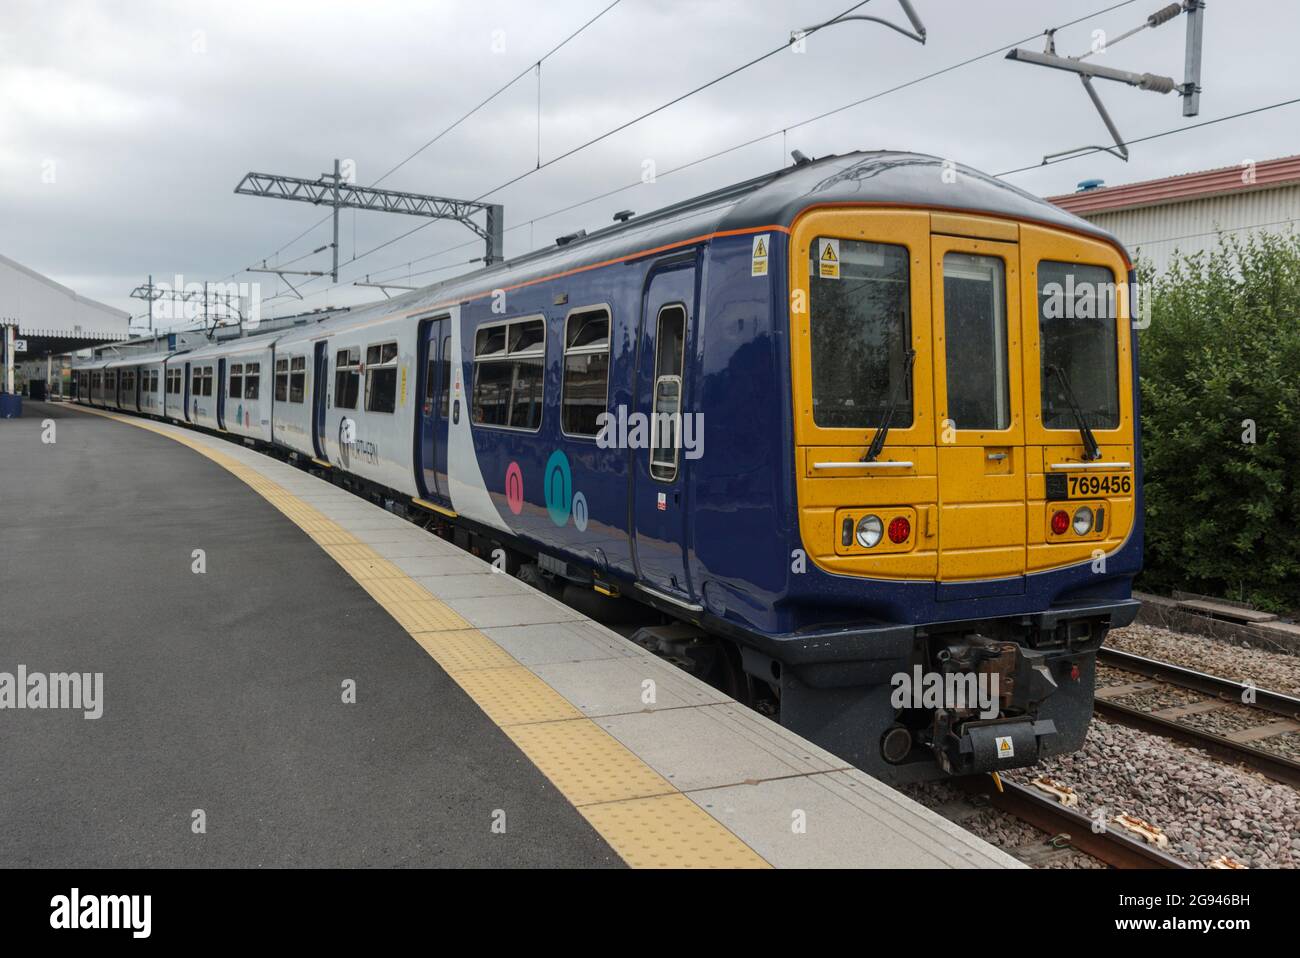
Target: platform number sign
{"points": [[828, 258], [20, 345]]}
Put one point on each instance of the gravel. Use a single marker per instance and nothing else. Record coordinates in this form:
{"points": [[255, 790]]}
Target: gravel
{"points": [[1205, 808], [1275, 671], [998, 828], [1221, 659]]}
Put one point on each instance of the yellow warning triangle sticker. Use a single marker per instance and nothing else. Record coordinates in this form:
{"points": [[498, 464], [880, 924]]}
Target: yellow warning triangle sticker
{"points": [[829, 252], [760, 249], [1005, 745]]}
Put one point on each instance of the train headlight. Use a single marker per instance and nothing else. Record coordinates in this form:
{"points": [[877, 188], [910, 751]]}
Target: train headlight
{"points": [[870, 529], [1082, 521]]}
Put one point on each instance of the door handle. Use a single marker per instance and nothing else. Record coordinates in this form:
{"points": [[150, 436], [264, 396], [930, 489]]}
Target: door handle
{"points": [[997, 456]]}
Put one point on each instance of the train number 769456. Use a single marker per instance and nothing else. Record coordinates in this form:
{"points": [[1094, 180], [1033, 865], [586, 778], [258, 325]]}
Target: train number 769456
{"points": [[1109, 484]]}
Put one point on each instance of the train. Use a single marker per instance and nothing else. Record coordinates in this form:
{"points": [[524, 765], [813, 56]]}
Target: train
{"points": [[860, 435]]}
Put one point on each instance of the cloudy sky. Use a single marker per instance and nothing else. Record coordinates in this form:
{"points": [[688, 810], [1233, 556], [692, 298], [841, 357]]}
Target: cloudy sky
{"points": [[125, 124]]}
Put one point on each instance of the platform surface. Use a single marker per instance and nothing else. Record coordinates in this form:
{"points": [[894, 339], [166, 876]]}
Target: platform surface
{"points": [[492, 725]]}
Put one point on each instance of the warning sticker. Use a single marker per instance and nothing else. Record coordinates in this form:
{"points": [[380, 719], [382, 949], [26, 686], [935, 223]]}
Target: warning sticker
{"points": [[758, 261], [828, 258], [1005, 748]]}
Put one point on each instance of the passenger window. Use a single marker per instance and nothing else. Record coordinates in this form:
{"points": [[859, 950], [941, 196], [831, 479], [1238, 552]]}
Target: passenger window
{"points": [[861, 334], [509, 369], [666, 424], [586, 371], [252, 380], [446, 376], [381, 377], [1077, 316], [347, 377], [236, 381], [282, 380], [297, 378], [975, 325]]}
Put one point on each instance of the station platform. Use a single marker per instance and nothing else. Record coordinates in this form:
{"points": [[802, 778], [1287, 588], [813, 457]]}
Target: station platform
{"points": [[492, 725]]}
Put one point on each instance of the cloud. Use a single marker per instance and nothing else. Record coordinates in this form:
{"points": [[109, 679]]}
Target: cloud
{"points": [[152, 111]]}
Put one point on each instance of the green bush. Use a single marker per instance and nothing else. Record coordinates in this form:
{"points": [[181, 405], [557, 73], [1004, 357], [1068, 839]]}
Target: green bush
{"points": [[1223, 347]]}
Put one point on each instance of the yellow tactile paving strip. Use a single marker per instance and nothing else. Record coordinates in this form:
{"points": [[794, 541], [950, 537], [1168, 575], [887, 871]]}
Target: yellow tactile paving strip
{"points": [[643, 816]]}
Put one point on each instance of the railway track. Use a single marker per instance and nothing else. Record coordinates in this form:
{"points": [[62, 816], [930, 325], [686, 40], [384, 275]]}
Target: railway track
{"points": [[1068, 826], [1279, 713]]}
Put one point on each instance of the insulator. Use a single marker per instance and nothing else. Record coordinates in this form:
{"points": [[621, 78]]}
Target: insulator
{"points": [[1157, 84], [1164, 14]]}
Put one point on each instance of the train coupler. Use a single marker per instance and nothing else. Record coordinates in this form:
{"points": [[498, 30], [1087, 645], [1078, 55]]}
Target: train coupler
{"points": [[989, 746]]}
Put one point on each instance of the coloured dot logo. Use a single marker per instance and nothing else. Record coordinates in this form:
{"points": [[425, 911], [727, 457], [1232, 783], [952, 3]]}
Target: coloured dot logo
{"points": [[580, 512], [559, 487], [515, 488]]}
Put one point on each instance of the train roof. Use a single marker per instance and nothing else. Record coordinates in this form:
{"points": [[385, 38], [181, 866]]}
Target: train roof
{"points": [[137, 360], [237, 344], [774, 199]]}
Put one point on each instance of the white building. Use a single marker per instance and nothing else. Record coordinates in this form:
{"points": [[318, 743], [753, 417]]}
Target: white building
{"points": [[47, 319], [1187, 213]]}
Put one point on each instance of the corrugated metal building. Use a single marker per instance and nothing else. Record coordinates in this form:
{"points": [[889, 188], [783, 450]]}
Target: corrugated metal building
{"points": [[1188, 212], [48, 320]]}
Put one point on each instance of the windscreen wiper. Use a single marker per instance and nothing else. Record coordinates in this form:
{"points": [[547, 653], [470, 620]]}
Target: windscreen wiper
{"points": [[903, 387], [1091, 452]]}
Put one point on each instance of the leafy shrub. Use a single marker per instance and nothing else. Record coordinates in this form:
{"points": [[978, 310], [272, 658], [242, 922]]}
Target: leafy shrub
{"points": [[1223, 347]]}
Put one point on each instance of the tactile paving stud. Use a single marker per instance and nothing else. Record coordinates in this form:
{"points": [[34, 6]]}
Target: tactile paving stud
{"points": [[514, 696], [331, 537], [353, 550], [669, 831], [586, 763], [396, 589], [460, 649], [427, 615], [372, 567]]}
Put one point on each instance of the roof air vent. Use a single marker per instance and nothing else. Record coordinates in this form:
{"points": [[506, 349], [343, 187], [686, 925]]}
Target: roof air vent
{"points": [[622, 216], [566, 240]]}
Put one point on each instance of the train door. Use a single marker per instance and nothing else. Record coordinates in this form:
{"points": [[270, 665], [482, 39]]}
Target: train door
{"points": [[221, 394], [435, 393], [658, 467], [319, 391], [185, 396], [980, 429]]}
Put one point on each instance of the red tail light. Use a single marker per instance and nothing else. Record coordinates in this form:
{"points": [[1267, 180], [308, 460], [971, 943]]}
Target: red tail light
{"points": [[899, 530], [1060, 522]]}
